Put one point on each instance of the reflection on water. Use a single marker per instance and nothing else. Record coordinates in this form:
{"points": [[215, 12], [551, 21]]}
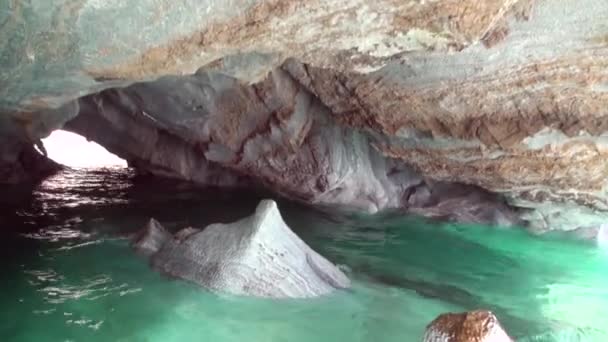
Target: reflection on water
{"points": [[69, 274], [93, 187]]}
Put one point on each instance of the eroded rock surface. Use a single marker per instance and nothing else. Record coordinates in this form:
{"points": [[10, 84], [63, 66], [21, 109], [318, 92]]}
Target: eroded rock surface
{"points": [[256, 256], [150, 239], [275, 134], [474, 326], [341, 103]]}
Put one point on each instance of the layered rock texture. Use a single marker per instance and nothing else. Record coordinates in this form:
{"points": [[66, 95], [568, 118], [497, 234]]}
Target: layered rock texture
{"points": [[488, 111], [474, 326], [256, 256]]}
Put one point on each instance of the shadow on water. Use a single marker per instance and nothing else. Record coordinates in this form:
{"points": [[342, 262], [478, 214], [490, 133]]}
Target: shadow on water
{"points": [[124, 201]]}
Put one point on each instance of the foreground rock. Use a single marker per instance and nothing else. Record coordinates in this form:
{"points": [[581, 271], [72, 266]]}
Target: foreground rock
{"points": [[256, 256], [473, 326]]}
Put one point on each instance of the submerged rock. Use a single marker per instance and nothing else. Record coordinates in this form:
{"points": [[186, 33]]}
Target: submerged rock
{"points": [[473, 326], [256, 256]]}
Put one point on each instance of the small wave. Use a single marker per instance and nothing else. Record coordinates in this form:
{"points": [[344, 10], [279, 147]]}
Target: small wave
{"points": [[44, 312], [89, 323], [92, 289], [129, 291], [57, 233], [43, 276], [79, 245]]}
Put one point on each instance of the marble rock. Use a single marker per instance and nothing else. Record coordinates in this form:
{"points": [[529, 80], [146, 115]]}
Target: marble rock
{"points": [[257, 256], [473, 326]]}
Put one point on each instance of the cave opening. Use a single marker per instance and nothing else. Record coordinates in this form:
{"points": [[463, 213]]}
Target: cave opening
{"points": [[73, 150]]}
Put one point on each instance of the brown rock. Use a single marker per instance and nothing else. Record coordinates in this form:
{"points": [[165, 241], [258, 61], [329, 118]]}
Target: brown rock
{"points": [[473, 326]]}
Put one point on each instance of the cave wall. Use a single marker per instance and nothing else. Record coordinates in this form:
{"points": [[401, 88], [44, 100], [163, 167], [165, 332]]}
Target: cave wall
{"points": [[349, 103], [211, 129]]}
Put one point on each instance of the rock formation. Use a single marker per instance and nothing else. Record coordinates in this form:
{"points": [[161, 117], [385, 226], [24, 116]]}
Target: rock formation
{"points": [[256, 256], [368, 106], [149, 240], [20, 163], [474, 326]]}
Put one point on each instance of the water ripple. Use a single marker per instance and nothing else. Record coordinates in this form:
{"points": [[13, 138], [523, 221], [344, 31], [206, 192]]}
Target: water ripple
{"points": [[89, 323], [43, 276], [74, 188], [56, 291], [57, 233], [79, 245]]}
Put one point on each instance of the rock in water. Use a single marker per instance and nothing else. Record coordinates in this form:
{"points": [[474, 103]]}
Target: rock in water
{"points": [[474, 326], [151, 238], [256, 256]]}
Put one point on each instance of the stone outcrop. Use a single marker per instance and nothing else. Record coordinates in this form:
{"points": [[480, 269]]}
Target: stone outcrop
{"points": [[341, 103], [256, 256], [22, 164], [474, 326], [149, 240], [22, 159]]}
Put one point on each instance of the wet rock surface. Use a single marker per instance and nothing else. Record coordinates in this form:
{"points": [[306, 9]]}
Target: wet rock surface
{"points": [[474, 326], [150, 238], [257, 256]]}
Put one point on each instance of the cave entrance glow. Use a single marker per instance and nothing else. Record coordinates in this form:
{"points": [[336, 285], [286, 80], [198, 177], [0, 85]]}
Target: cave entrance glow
{"points": [[73, 150]]}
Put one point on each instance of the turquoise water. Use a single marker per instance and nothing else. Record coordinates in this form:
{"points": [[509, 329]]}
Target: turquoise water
{"points": [[69, 274]]}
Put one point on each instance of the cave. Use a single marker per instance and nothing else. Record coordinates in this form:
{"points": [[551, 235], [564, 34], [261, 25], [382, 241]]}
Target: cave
{"points": [[449, 157]]}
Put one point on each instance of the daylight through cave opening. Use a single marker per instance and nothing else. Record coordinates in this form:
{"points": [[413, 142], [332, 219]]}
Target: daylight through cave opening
{"points": [[73, 150]]}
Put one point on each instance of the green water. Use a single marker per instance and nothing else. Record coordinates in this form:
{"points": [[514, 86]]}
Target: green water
{"points": [[69, 274]]}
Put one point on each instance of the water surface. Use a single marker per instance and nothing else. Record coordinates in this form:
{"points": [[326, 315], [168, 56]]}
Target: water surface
{"points": [[69, 274]]}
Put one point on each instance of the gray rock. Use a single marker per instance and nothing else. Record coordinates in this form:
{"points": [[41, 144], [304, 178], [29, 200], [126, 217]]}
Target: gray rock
{"points": [[150, 238], [305, 156], [256, 256], [185, 233]]}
